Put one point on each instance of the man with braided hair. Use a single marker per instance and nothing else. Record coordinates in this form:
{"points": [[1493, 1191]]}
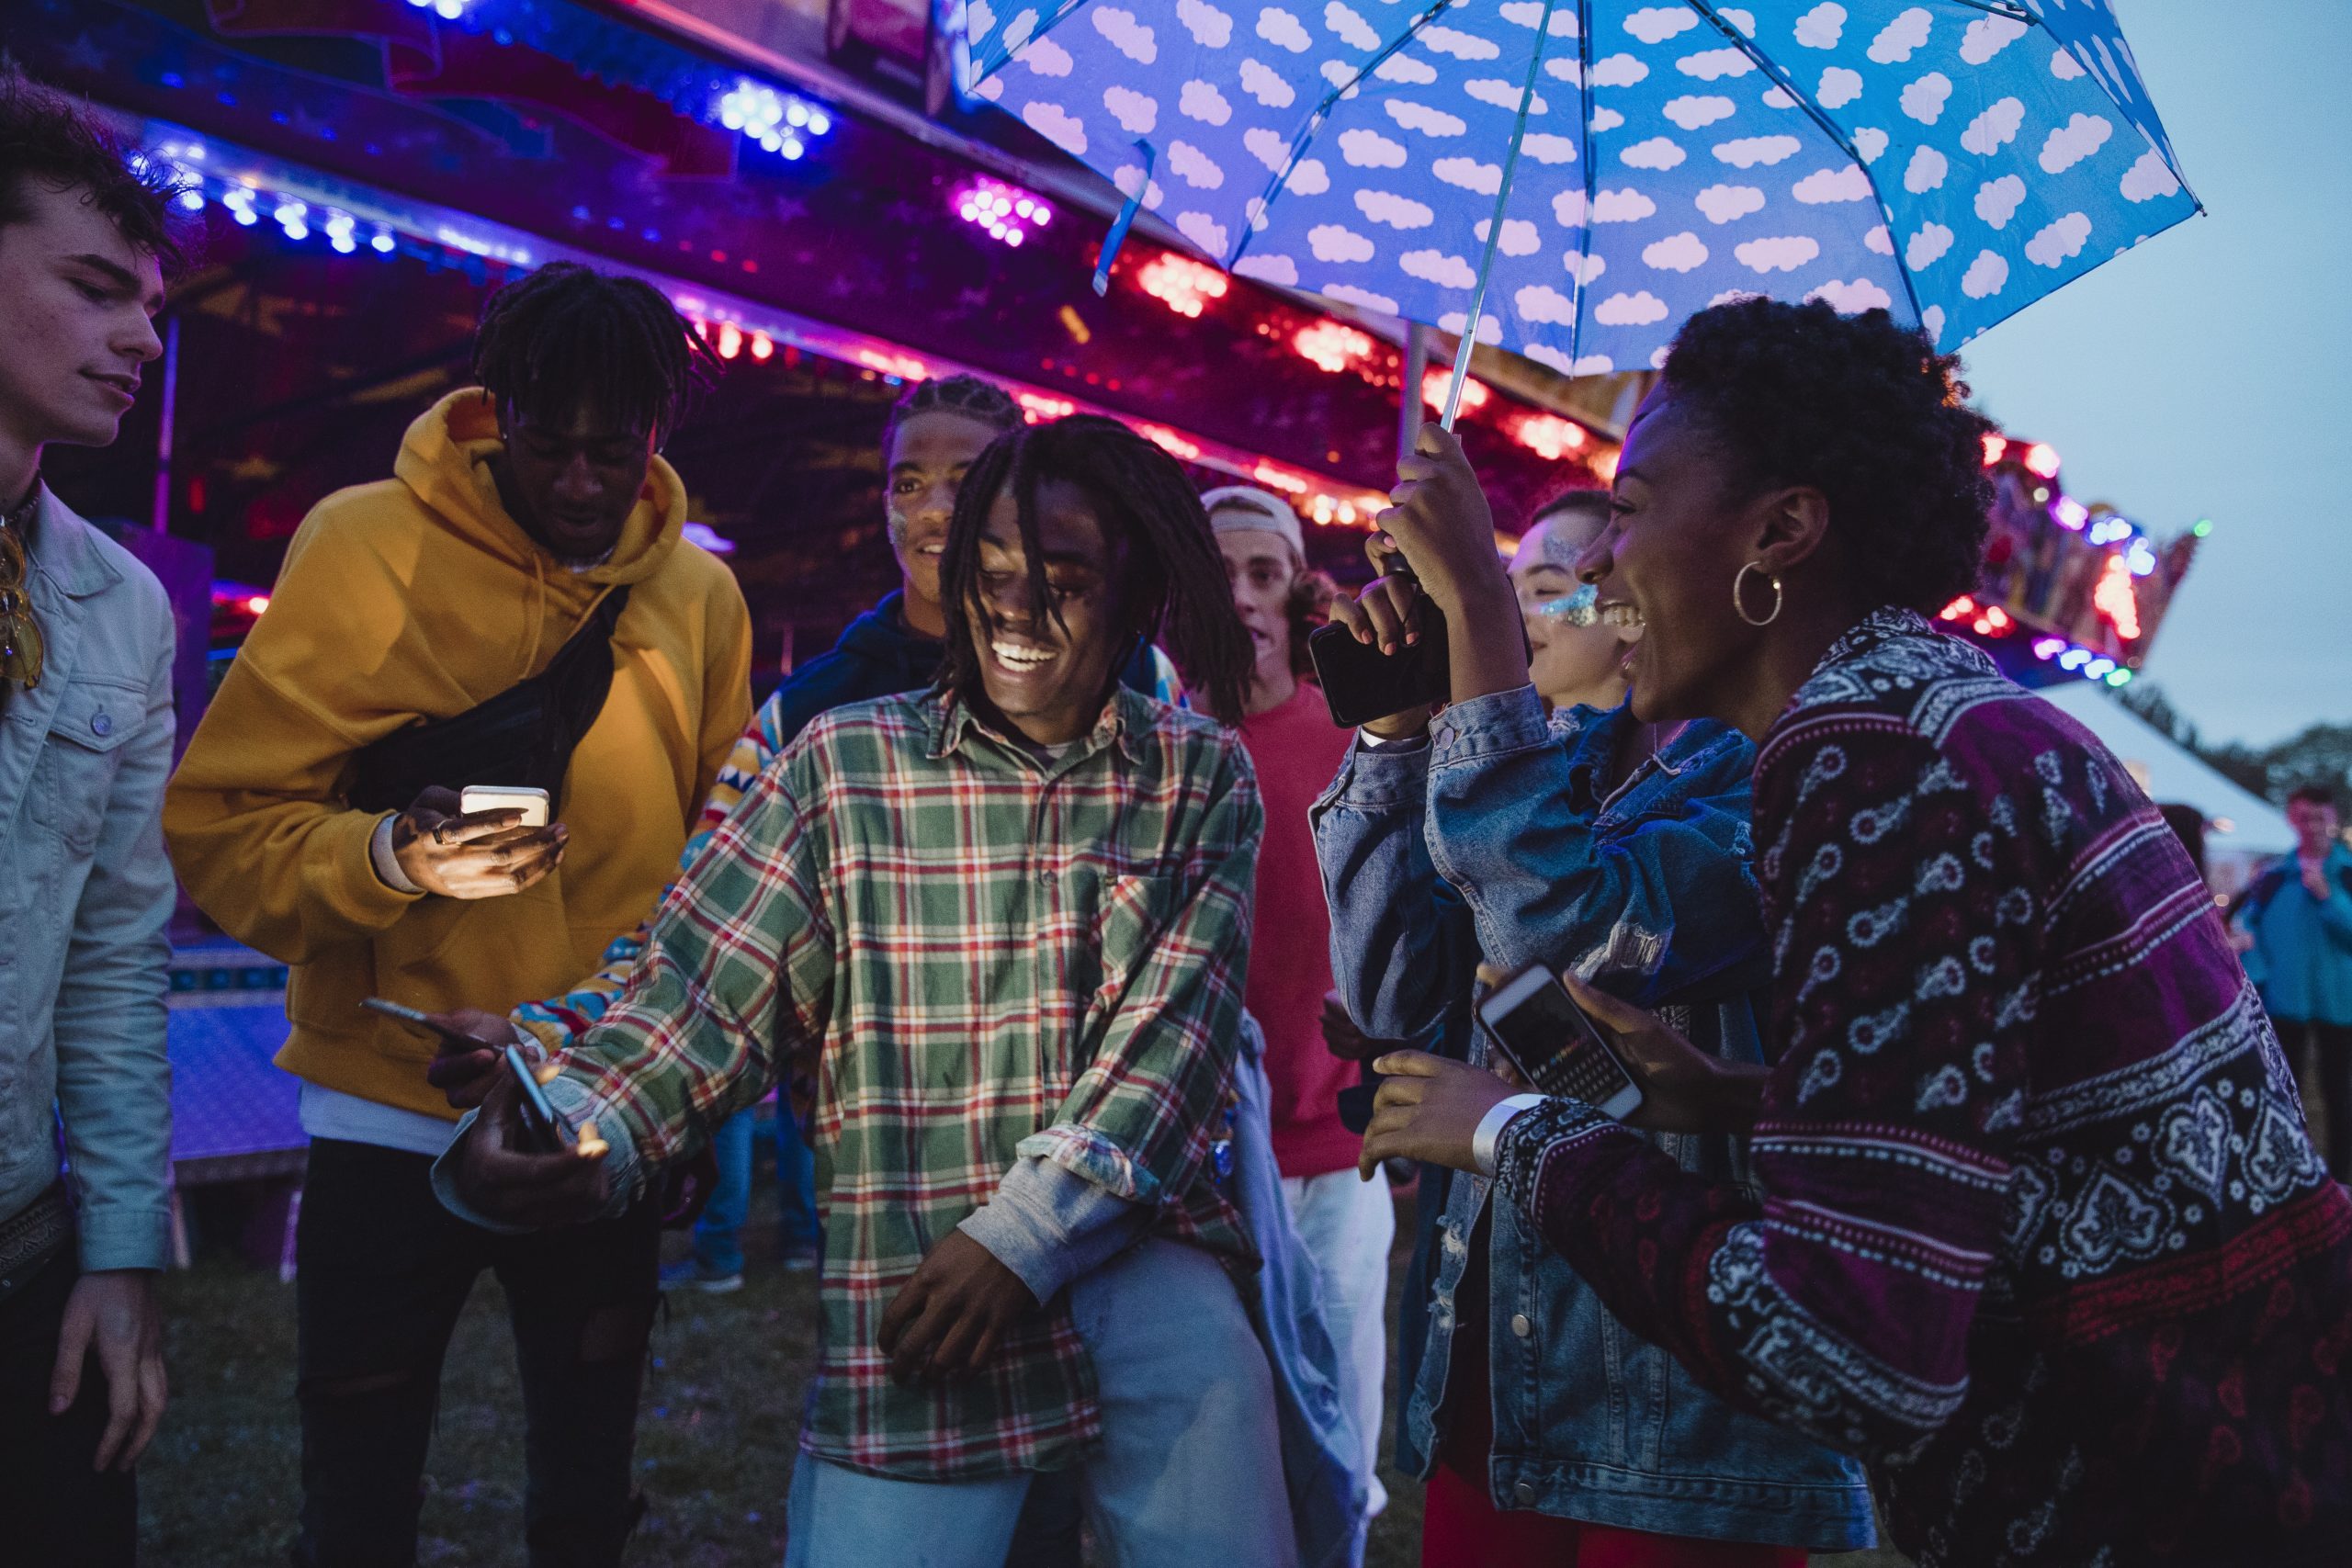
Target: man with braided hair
{"points": [[1003, 922], [527, 550]]}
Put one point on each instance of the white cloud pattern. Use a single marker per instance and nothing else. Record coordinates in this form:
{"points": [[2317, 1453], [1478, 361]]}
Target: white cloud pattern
{"points": [[1677, 253], [1822, 26], [1541, 302], [1714, 64], [1998, 200], [1136, 112], [1845, 183], [1747, 151], [1348, 27], [2060, 242], [1655, 24], [1636, 309], [1693, 110], [1422, 117], [1396, 211], [1546, 148], [1202, 230], [2149, 178], [1853, 298], [1780, 253], [1469, 174], [1210, 27], [1338, 242], [1281, 29], [1201, 101], [1988, 35], [1721, 203], [1994, 129], [1128, 36], [1927, 247], [1658, 153], [1926, 171], [2081, 136], [1839, 86], [1986, 274], [1621, 207], [1924, 100], [1056, 125], [1369, 150], [1439, 268], [1268, 85], [1195, 167], [1520, 238], [1901, 37]]}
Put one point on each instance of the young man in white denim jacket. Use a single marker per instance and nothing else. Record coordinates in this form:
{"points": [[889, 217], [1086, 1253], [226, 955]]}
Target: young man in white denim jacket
{"points": [[85, 742]]}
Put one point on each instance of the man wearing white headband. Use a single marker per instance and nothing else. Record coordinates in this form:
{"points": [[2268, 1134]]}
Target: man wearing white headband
{"points": [[1345, 1223]]}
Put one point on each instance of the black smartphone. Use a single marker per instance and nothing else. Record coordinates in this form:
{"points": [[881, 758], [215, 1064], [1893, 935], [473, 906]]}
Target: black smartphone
{"points": [[1361, 683], [544, 1129], [1535, 1023], [1355, 1100]]}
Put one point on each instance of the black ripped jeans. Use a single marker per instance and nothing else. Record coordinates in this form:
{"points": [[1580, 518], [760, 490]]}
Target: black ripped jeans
{"points": [[384, 1271]]}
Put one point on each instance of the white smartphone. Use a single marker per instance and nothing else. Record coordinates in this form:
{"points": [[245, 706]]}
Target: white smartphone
{"points": [[1535, 1023], [531, 803]]}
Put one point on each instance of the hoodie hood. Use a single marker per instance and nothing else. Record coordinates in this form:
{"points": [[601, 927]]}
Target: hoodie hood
{"points": [[445, 461], [880, 636]]}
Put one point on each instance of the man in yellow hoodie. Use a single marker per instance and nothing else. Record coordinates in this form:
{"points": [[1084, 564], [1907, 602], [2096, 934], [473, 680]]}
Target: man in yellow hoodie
{"points": [[529, 540]]}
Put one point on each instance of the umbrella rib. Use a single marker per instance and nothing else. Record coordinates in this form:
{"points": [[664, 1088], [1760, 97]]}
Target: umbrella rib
{"points": [[1592, 162], [1315, 122], [1813, 111], [1469, 342]]}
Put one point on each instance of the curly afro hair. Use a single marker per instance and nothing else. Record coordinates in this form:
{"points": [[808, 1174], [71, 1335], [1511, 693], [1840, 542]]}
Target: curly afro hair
{"points": [[1860, 409]]}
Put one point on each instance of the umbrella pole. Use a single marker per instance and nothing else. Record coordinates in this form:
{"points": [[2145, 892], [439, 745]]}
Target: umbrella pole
{"points": [[1410, 408], [1494, 224]]}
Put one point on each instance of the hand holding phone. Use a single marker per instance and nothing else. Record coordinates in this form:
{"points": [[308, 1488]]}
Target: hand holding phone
{"points": [[1535, 1023]]}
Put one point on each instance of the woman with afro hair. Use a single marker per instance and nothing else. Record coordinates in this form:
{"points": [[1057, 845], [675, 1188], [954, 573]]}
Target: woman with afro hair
{"points": [[2034, 1227]]}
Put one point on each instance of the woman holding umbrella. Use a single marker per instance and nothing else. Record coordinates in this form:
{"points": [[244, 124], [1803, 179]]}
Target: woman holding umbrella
{"points": [[2035, 1228]]}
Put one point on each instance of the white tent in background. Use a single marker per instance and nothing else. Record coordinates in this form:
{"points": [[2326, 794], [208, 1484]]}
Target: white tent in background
{"points": [[2241, 828]]}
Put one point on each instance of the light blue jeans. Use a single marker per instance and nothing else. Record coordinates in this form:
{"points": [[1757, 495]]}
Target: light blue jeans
{"points": [[1189, 1473], [718, 1235]]}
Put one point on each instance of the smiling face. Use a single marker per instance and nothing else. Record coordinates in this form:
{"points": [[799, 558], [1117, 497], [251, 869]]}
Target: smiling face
{"points": [[1677, 535], [76, 307], [1046, 668], [926, 459], [572, 484], [1569, 665], [1261, 570]]}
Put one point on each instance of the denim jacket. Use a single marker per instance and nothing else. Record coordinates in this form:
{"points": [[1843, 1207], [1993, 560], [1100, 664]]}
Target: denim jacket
{"points": [[83, 959], [1649, 893]]}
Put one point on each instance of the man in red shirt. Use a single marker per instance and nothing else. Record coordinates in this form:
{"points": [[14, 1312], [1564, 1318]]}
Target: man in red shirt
{"points": [[1347, 1224]]}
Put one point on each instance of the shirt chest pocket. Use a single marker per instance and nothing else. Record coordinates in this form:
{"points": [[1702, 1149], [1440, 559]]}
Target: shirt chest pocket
{"points": [[75, 777]]}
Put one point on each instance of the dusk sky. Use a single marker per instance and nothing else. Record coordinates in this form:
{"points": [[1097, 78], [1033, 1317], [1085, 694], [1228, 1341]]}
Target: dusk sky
{"points": [[2207, 373]]}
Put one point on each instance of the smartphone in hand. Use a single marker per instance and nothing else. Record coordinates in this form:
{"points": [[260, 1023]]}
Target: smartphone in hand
{"points": [[531, 803], [544, 1127], [1361, 683], [1538, 1026]]}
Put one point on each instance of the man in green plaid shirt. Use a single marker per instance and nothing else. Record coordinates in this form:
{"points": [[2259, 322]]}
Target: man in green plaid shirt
{"points": [[1004, 924]]}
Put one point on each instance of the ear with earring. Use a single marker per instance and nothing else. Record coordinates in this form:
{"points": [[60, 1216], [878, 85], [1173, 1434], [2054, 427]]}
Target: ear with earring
{"points": [[1739, 600]]}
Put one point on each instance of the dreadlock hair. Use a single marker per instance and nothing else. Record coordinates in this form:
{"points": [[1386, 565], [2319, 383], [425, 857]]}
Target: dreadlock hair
{"points": [[568, 334], [1170, 579], [45, 136], [984, 402]]}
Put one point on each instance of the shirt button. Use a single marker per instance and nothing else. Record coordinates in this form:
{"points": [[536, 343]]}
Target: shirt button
{"points": [[1523, 1495], [101, 725], [1046, 877], [1520, 1325]]}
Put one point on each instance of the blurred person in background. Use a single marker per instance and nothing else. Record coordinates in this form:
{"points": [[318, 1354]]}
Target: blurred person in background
{"points": [[2296, 917], [86, 741], [2032, 1223], [1547, 1433], [1346, 1224], [518, 607]]}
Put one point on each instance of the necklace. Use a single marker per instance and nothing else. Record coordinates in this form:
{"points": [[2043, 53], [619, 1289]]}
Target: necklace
{"points": [[21, 645]]}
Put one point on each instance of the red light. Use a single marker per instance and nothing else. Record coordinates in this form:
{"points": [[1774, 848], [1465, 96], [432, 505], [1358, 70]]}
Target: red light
{"points": [[2042, 458], [1963, 605], [762, 345], [2114, 599], [1547, 435], [731, 341], [1038, 409], [1170, 442], [1993, 446], [257, 604], [1186, 287], [1331, 345], [1435, 384]]}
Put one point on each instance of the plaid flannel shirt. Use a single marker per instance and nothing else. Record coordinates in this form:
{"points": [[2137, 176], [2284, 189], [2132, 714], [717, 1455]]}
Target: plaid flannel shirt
{"points": [[982, 955]]}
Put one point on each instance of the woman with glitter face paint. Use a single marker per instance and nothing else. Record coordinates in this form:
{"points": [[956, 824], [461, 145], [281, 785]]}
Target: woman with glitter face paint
{"points": [[1573, 660]]}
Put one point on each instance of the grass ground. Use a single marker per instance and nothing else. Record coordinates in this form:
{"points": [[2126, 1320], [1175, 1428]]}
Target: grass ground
{"points": [[715, 1435]]}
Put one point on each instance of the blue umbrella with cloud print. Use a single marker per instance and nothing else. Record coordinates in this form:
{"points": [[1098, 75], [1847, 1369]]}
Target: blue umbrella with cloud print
{"points": [[1581, 175]]}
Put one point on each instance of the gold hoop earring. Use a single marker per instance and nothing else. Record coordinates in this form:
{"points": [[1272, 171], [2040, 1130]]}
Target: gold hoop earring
{"points": [[1739, 604]]}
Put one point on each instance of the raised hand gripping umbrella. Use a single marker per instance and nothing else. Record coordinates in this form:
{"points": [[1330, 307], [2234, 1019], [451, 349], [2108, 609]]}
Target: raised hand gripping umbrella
{"points": [[1578, 176]]}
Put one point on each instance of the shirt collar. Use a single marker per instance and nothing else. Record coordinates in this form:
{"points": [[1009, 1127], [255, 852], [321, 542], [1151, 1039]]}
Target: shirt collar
{"points": [[954, 724]]}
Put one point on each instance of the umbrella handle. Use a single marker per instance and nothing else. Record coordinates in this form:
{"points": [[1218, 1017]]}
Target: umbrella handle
{"points": [[1494, 225]]}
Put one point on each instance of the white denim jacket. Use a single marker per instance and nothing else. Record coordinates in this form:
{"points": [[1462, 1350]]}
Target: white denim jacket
{"points": [[85, 893]]}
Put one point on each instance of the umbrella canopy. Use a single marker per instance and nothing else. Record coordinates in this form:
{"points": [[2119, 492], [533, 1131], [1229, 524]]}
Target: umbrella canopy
{"points": [[1951, 161]]}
